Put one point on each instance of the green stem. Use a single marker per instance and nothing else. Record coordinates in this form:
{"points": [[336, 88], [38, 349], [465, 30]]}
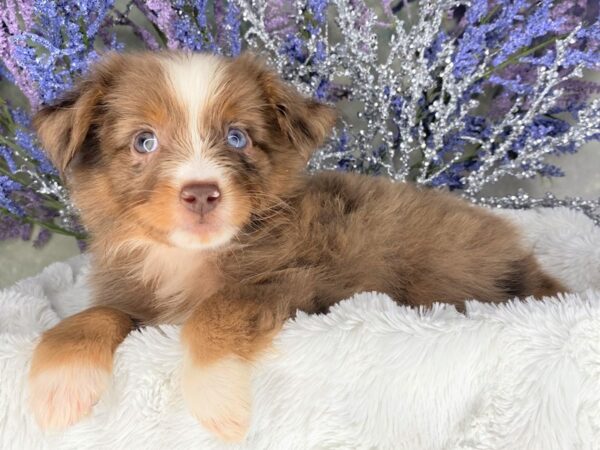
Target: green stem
{"points": [[10, 175], [48, 225], [515, 58], [47, 198], [161, 35], [8, 143], [487, 18]]}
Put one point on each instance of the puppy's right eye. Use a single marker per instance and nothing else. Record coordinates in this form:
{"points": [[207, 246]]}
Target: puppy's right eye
{"points": [[145, 142]]}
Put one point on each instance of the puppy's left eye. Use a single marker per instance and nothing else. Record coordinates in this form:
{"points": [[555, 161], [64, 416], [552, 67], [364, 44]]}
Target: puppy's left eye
{"points": [[145, 142], [236, 138]]}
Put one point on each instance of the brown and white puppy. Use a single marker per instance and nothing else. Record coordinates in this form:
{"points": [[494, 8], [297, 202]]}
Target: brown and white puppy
{"points": [[188, 170]]}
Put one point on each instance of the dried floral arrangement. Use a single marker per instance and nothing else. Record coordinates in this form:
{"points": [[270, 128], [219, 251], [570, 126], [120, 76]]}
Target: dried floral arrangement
{"points": [[449, 94]]}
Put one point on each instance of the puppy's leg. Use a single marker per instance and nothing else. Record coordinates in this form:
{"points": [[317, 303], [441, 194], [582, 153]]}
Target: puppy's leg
{"points": [[72, 365], [221, 339]]}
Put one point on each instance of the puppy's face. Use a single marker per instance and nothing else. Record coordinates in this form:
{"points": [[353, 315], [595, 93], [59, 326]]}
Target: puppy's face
{"points": [[181, 149]]}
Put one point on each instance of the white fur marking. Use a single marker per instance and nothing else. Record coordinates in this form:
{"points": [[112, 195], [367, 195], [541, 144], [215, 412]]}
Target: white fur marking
{"points": [[198, 168], [196, 78], [188, 240], [219, 395], [63, 395]]}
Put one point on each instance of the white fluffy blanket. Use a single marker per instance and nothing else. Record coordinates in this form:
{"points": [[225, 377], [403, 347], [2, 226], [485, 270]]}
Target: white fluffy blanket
{"points": [[370, 374]]}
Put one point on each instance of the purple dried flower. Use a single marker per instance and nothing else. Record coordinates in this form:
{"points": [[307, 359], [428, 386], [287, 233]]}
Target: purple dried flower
{"points": [[576, 92], [318, 9], [82, 245], [386, 5], [515, 85], [432, 52], [546, 60], [8, 51], [42, 238], [538, 24], [7, 188], [590, 59], [320, 51], [232, 26], [201, 13], [13, 228], [279, 18], [322, 91], [451, 178], [572, 13], [26, 140], [8, 157], [470, 51], [295, 49], [25, 230], [26, 12], [164, 17], [550, 170], [477, 11], [145, 36], [500, 105]]}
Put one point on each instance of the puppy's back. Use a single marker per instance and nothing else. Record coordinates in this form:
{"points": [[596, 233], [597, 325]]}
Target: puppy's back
{"points": [[356, 233]]}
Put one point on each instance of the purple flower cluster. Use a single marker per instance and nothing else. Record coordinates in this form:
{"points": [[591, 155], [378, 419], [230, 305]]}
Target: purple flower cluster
{"points": [[518, 39], [56, 43], [193, 30], [7, 188]]}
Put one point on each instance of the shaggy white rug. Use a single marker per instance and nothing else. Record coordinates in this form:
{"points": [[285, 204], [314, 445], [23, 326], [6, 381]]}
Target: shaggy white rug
{"points": [[370, 374]]}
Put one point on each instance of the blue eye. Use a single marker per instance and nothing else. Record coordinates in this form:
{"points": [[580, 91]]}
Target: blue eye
{"points": [[236, 138], [145, 142]]}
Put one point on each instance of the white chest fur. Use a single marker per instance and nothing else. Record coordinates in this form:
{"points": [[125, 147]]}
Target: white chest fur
{"points": [[180, 279]]}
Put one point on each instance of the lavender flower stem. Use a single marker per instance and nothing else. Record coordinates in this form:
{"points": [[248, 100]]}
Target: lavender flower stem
{"points": [[515, 58], [487, 18], [21, 180], [47, 225]]}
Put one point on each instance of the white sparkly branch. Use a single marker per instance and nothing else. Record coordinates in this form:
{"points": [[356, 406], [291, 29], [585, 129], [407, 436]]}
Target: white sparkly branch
{"points": [[495, 164], [522, 200]]}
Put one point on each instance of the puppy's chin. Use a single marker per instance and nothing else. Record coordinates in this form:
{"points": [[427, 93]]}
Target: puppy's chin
{"points": [[201, 236]]}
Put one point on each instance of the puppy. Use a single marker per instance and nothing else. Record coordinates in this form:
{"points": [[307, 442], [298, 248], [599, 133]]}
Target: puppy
{"points": [[189, 173]]}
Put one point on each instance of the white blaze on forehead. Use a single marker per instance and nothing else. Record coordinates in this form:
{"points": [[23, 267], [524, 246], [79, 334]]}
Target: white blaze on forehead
{"points": [[195, 79], [199, 168]]}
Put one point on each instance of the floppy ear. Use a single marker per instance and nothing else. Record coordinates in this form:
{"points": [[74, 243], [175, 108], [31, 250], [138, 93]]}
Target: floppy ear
{"points": [[303, 121], [63, 126]]}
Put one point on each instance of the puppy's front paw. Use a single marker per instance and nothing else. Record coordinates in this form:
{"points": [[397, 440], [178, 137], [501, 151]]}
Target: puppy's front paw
{"points": [[66, 381], [219, 396]]}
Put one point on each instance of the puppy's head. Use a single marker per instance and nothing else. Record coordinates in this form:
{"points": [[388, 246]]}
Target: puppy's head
{"points": [[178, 148]]}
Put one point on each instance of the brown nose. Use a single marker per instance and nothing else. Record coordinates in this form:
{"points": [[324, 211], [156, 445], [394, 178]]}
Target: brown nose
{"points": [[200, 198]]}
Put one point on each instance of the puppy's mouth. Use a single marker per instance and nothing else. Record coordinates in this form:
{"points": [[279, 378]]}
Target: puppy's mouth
{"points": [[201, 231], [201, 226]]}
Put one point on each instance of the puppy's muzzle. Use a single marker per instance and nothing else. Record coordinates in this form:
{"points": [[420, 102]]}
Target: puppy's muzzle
{"points": [[200, 198]]}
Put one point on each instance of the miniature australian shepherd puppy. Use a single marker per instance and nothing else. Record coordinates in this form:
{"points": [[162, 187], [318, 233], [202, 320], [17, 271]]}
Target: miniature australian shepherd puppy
{"points": [[189, 172]]}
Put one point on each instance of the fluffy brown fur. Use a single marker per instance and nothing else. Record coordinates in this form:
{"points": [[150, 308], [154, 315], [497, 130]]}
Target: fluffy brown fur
{"points": [[279, 240]]}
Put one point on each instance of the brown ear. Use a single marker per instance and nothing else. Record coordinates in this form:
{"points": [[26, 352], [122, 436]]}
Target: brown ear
{"points": [[304, 122], [63, 126]]}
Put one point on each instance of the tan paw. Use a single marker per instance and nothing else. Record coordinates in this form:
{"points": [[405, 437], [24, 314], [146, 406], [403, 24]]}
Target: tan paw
{"points": [[59, 396], [219, 396]]}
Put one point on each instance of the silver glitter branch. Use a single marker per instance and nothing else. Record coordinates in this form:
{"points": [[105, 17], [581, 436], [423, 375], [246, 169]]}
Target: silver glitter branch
{"points": [[544, 98], [522, 200]]}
